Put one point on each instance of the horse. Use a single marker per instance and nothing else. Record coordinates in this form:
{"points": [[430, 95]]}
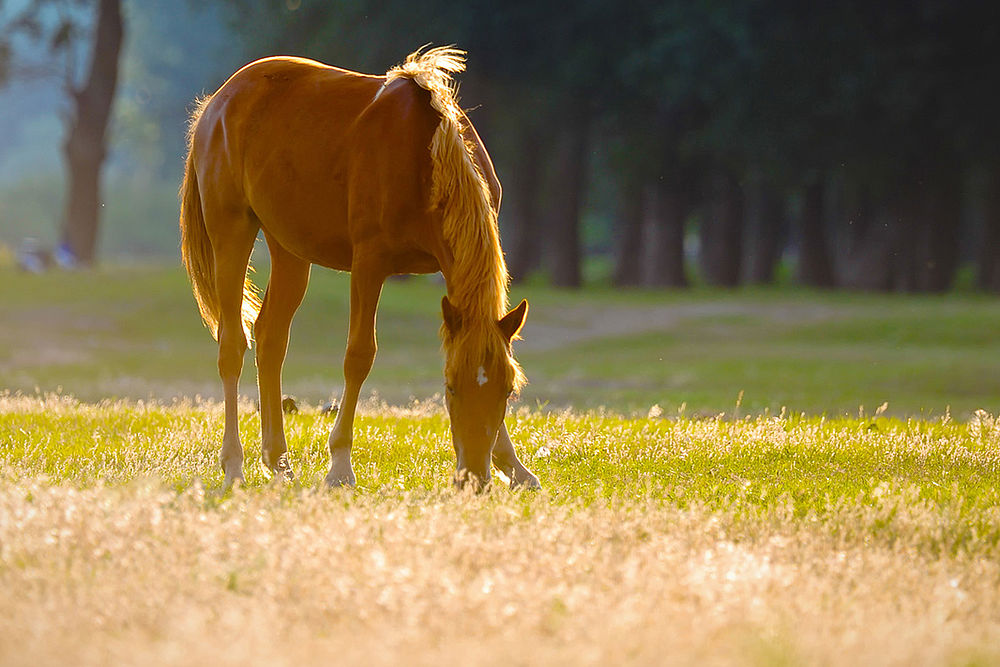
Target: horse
{"points": [[376, 175]]}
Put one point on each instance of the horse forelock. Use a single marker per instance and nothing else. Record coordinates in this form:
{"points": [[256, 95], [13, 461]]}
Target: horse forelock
{"points": [[477, 346]]}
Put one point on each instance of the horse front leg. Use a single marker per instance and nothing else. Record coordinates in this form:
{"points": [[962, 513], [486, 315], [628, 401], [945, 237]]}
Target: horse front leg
{"points": [[507, 462], [366, 286], [285, 289]]}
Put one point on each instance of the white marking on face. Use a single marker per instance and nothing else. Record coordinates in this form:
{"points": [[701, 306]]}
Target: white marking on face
{"points": [[481, 378]]}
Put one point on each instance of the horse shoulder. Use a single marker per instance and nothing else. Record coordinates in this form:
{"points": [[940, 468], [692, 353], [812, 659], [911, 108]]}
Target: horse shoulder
{"points": [[391, 174], [391, 140]]}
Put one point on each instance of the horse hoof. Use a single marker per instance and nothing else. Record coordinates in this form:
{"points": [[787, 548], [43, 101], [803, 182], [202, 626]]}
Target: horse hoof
{"points": [[233, 481], [341, 472], [527, 482], [280, 471], [283, 471], [336, 479], [233, 471]]}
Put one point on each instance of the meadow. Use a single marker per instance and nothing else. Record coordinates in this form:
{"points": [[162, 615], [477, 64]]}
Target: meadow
{"points": [[753, 477]]}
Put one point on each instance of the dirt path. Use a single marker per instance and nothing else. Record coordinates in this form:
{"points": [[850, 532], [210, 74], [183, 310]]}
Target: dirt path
{"points": [[556, 327]]}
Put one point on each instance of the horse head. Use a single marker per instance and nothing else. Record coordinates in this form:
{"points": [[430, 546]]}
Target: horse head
{"points": [[480, 375]]}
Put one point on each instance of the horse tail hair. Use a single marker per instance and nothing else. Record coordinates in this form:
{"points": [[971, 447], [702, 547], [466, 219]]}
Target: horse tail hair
{"points": [[196, 247]]}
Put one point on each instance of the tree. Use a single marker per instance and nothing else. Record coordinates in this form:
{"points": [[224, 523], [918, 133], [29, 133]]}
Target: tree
{"points": [[632, 207], [61, 24], [766, 222], [521, 215], [815, 266], [566, 200], [809, 96], [85, 147], [721, 231], [669, 203], [988, 256]]}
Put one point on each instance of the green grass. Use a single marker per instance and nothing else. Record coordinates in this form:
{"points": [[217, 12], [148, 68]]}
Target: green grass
{"points": [[807, 466], [714, 492], [134, 333]]}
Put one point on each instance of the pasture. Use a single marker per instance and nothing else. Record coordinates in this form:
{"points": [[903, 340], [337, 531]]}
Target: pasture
{"points": [[729, 478]]}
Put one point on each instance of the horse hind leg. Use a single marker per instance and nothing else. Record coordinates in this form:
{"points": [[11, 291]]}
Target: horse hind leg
{"points": [[285, 289], [232, 255]]}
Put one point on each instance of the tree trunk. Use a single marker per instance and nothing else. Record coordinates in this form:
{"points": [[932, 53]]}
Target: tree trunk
{"points": [[815, 266], [722, 232], [906, 235], [867, 265], [988, 256], [569, 179], [521, 207], [85, 148], [668, 211], [766, 221], [628, 231], [941, 214]]}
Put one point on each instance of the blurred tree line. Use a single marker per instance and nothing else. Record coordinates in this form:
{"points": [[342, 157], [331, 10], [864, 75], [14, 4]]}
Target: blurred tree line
{"points": [[852, 144], [715, 137]]}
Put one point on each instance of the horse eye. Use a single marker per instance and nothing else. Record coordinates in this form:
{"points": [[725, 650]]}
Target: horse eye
{"points": [[449, 389]]}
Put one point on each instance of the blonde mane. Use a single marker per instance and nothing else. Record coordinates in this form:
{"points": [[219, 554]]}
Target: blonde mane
{"points": [[477, 285]]}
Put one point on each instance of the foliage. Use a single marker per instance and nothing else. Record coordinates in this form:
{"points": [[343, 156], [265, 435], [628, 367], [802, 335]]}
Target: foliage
{"points": [[885, 100], [60, 27]]}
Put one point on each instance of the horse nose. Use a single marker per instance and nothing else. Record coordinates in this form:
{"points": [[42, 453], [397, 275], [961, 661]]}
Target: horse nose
{"points": [[465, 478]]}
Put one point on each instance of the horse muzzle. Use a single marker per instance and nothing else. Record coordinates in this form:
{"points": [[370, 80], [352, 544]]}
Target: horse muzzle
{"points": [[475, 477]]}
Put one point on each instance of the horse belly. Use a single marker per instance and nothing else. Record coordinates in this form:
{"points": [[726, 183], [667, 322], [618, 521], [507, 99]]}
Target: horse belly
{"points": [[312, 227]]}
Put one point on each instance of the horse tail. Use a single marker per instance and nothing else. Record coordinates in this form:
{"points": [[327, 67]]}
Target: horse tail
{"points": [[196, 249]]}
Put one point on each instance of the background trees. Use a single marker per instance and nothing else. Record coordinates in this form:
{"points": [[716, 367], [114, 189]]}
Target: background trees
{"points": [[63, 26], [660, 143]]}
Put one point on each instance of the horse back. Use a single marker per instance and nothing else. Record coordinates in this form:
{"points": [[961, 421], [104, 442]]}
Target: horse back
{"points": [[328, 161]]}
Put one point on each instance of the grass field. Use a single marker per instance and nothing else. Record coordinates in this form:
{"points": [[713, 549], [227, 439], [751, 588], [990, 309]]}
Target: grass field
{"points": [[134, 333], [806, 523]]}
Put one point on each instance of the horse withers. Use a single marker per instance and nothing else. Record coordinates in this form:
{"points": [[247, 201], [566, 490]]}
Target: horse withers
{"points": [[376, 175]]}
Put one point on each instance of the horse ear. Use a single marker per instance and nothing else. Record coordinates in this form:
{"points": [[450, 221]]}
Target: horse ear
{"points": [[452, 320], [512, 322]]}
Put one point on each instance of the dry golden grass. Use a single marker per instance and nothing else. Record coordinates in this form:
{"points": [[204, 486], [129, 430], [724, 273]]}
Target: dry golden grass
{"points": [[757, 541], [141, 575]]}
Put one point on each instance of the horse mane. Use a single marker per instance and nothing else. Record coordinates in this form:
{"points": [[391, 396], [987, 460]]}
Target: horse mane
{"points": [[478, 277]]}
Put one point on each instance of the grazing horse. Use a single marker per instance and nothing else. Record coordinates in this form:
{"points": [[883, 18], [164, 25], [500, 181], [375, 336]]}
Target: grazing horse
{"points": [[376, 175]]}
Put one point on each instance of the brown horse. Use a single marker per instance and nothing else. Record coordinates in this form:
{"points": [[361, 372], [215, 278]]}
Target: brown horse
{"points": [[376, 175]]}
